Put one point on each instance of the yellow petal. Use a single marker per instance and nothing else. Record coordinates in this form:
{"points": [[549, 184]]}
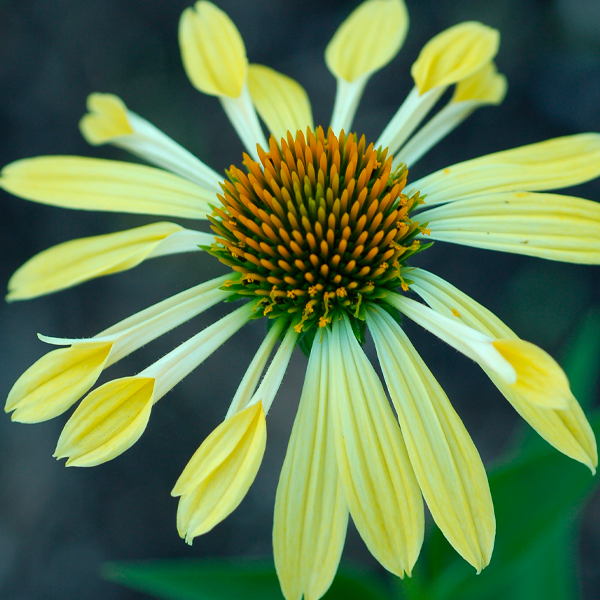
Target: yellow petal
{"points": [[97, 184], [221, 471], [446, 462], [454, 54], [540, 380], [567, 430], [553, 164], [76, 261], [109, 121], [548, 226], [212, 50], [486, 85], [379, 483], [107, 422], [106, 120], [56, 381], [281, 101], [311, 515], [368, 39]]}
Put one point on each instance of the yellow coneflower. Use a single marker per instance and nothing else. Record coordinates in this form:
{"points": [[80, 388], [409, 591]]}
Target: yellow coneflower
{"points": [[318, 227]]}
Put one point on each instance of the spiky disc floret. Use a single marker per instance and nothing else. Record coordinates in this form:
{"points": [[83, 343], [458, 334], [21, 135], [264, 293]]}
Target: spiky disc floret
{"points": [[321, 225]]}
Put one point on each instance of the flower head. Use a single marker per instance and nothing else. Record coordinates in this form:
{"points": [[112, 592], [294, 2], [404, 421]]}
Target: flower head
{"points": [[318, 226]]}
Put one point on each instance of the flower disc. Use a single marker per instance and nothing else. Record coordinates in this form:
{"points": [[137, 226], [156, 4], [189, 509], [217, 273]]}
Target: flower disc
{"points": [[320, 225]]}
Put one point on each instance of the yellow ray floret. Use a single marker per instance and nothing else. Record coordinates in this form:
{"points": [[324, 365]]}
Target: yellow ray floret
{"points": [[109, 185], [221, 471], [212, 50], [553, 164], [106, 120], [311, 515], [368, 39], [550, 226], [379, 483], [446, 462], [454, 54], [486, 85], [567, 430], [56, 381], [281, 101], [76, 261], [107, 422]]}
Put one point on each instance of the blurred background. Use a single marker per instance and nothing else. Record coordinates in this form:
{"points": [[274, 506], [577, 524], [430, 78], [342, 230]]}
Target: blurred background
{"points": [[57, 525]]}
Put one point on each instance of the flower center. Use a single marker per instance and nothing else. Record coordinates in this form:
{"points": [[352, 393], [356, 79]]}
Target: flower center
{"points": [[321, 225]]}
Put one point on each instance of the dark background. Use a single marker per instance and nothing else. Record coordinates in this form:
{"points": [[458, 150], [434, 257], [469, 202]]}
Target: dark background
{"points": [[58, 525]]}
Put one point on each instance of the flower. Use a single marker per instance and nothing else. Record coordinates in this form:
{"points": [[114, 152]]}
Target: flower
{"points": [[318, 228]]}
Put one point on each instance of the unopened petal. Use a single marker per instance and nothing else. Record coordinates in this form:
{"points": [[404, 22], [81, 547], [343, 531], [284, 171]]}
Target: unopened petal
{"points": [[212, 50], [71, 263], [281, 101], [107, 422], [485, 85], [56, 381], [540, 381], [552, 164], [446, 462], [379, 483], [109, 185], [109, 121], [550, 226], [219, 475], [311, 515], [368, 39], [454, 54], [567, 430], [106, 120]]}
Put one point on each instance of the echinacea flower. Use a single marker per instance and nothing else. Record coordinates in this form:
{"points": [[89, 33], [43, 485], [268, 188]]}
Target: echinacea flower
{"points": [[318, 229]]}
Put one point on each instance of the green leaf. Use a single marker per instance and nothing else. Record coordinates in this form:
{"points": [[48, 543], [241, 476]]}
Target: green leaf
{"points": [[582, 358], [197, 579]]}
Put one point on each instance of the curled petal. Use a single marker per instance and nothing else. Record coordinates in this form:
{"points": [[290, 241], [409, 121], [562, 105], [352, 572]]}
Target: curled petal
{"points": [[56, 381], [212, 50], [454, 54], [220, 473], [107, 422]]}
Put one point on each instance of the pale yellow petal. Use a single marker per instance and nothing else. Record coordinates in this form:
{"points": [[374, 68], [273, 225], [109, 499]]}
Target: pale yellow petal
{"points": [[486, 85], [446, 462], [109, 121], [76, 261], [548, 226], [567, 430], [98, 184], [56, 381], [281, 101], [454, 54], [221, 472], [368, 39], [107, 422], [379, 483], [552, 164], [311, 515], [212, 50], [106, 120], [540, 380]]}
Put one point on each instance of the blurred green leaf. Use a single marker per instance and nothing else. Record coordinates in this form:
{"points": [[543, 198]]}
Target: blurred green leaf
{"points": [[582, 357], [196, 579]]}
